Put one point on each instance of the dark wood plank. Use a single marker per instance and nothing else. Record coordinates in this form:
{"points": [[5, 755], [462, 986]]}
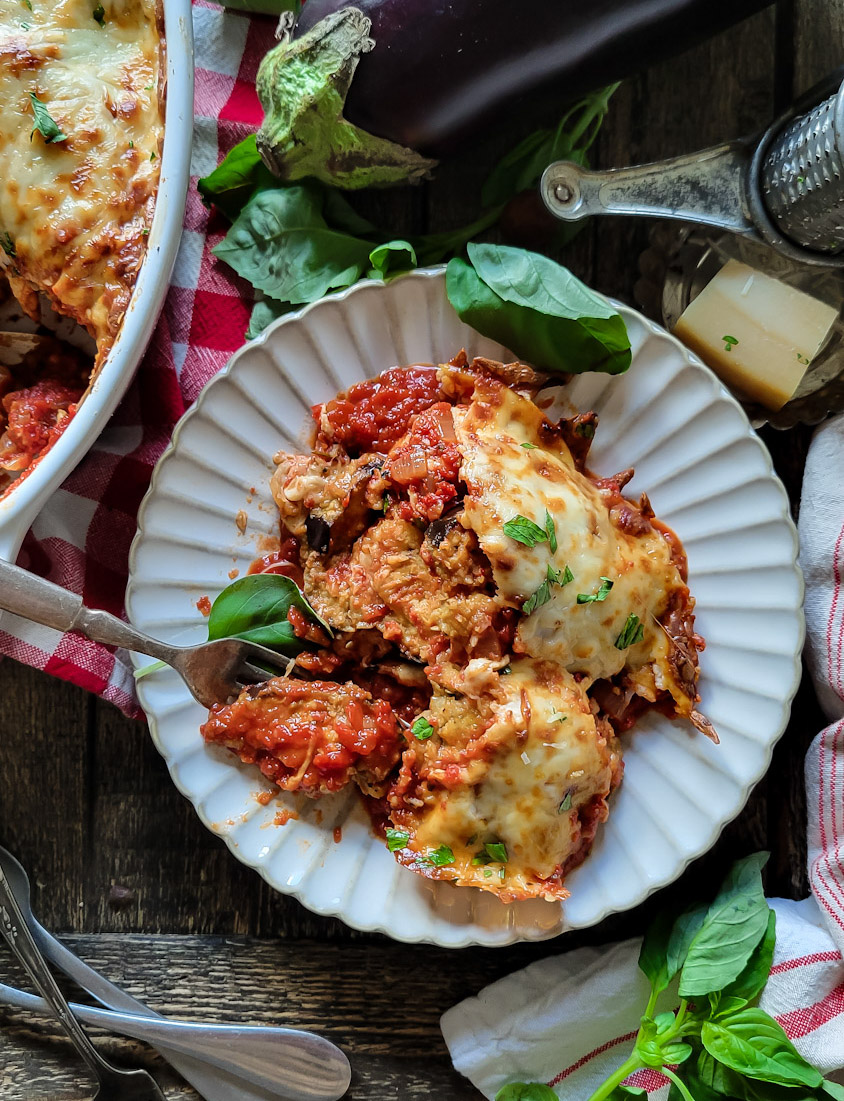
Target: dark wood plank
{"points": [[45, 768]]}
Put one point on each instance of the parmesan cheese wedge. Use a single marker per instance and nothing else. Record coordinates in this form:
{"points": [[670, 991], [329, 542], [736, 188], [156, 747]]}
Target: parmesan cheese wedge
{"points": [[757, 334]]}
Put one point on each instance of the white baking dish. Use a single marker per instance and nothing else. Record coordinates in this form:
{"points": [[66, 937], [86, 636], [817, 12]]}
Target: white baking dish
{"points": [[21, 506]]}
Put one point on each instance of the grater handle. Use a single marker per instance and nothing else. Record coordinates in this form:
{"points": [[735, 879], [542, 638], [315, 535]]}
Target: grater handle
{"points": [[706, 187]]}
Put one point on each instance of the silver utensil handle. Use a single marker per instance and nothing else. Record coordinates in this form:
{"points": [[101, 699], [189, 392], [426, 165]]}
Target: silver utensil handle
{"points": [[22, 943], [33, 598], [705, 187], [300, 1066]]}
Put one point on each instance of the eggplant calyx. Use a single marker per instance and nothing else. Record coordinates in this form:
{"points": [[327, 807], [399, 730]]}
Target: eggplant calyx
{"points": [[302, 85]]}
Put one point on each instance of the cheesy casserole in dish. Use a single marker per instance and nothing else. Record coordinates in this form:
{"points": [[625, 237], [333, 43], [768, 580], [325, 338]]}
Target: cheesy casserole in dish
{"points": [[80, 145], [497, 617]]}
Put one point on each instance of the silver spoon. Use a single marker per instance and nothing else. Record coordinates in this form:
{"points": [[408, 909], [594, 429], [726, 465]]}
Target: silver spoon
{"points": [[112, 1084], [255, 1063]]}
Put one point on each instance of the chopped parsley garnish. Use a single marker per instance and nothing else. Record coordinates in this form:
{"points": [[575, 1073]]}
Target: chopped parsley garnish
{"points": [[44, 122], [586, 430], [551, 531], [439, 857], [632, 632], [27, 4], [565, 803], [421, 729], [152, 155], [8, 245], [558, 717], [396, 839], [530, 446], [145, 233], [543, 593], [99, 14], [729, 342], [525, 531], [508, 668], [600, 595], [802, 359]]}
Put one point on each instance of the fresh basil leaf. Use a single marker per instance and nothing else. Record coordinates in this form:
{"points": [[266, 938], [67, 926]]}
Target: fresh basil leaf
{"points": [[281, 243], [541, 596], [632, 632], [755, 973], [255, 608], [264, 313], [734, 925], [653, 955], [392, 258], [529, 446], [234, 180], [524, 531], [497, 851], [98, 15], [833, 1089], [340, 214], [8, 245], [526, 1091], [543, 593], [682, 934], [624, 1093], [676, 1053], [600, 595], [551, 531], [421, 729], [752, 1043], [396, 839], [538, 309], [440, 857], [44, 122]]}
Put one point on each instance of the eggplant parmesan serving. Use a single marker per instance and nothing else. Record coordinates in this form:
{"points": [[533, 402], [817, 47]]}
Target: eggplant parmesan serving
{"points": [[486, 617], [80, 144]]}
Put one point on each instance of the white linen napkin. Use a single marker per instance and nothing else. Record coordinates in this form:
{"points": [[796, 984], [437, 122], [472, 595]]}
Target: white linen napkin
{"points": [[569, 1021]]}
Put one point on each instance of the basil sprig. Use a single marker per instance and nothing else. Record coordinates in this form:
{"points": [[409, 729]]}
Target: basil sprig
{"points": [[316, 228], [538, 309], [718, 959]]}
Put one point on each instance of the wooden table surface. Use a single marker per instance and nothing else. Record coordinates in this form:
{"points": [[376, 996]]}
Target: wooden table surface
{"points": [[120, 862]]}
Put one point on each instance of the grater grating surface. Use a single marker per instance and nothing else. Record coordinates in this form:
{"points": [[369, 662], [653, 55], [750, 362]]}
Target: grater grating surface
{"points": [[803, 177]]}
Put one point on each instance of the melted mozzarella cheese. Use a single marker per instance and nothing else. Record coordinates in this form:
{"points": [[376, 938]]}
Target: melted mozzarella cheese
{"points": [[505, 480], [540, 759], [74, 214]]}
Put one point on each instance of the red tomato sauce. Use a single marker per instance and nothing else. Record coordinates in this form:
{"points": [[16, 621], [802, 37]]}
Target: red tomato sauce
{"points": [[373, 415]]}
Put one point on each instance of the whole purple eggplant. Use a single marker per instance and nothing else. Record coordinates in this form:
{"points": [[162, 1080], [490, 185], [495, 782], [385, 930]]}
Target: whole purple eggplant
{"points": [[440, 67]]}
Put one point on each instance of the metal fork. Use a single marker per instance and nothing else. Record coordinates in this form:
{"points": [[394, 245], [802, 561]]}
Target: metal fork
{"points": [[112, 1084], [213, 671]]}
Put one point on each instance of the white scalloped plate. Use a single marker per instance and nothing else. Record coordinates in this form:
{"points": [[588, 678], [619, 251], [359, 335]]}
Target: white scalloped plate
{"points": [[707, 475]]}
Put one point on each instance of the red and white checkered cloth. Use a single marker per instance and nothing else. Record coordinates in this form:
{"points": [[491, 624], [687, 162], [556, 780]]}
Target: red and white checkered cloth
{"points": [[569, 1021], [81, 538]]}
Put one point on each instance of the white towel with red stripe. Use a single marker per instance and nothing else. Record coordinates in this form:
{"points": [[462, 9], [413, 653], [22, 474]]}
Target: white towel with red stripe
{"points": [[569, 1021]]}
